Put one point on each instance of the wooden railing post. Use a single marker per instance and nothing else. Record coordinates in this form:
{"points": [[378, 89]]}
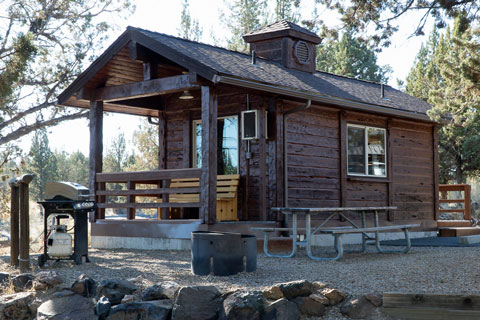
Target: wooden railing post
{"points": [[131, 199], [20, 224], [14, 221], [467, 197]]}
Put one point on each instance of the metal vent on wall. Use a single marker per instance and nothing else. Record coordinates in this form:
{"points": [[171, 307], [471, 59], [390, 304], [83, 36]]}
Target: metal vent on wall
{"points": [[302, 52]]}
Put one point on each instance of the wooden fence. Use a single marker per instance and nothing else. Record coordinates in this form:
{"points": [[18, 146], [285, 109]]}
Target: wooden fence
{"points": [[153, 185], [445, 190]]}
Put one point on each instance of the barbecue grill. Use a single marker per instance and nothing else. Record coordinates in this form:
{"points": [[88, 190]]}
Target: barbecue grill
{"points": [[65, 200]]}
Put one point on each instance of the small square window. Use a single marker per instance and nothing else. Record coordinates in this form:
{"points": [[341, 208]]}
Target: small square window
{"points": [[366, 151]]}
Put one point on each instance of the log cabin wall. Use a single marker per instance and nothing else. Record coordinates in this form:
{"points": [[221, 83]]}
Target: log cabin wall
{"points": [[315, 174]]}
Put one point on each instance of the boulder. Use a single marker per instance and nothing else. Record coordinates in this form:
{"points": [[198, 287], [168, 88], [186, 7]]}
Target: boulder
{"points": [[319, 285], [281, 309], [84, 286], [16, 306], [320, 298], [295, 289], [23, 282], [375, 299], [51, 278], [198, 302], [66, 306], [359, 308], [244, 305], [102, 308], [273, 293], [4, 278], [128, 298], [161, 290], [152, 310], [309, 307], [334, 296], [115, 289]]}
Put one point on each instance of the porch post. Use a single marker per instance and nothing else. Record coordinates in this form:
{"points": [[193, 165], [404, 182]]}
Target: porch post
{"points": [[96, 151], [208, 181]]}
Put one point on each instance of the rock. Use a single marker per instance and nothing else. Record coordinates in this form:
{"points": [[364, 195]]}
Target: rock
{"points": [[16, 306], [244, 305], [161, 290], [295, 289], [319, 285], [281, 309], [63, 293], [138, 279], [151, 310], [23, 282], [4, 278], [128, 298], [334, 296], [359, 308], [320, 298], [199, 302], [102, 308], [84, 286], [273, 293], [375, 299], [72, 307], [51, 278], [309, 307], [115, 289], [40, 286]]}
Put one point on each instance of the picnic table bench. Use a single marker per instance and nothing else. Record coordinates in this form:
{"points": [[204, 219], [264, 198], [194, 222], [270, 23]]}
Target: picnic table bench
{"points": [[336, 232]]}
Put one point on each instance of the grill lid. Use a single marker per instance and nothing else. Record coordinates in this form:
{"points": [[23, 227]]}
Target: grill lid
{"points": [[65, 190]]}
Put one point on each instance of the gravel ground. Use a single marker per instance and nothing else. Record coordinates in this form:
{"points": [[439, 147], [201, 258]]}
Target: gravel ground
{"points": [[426, 270]]}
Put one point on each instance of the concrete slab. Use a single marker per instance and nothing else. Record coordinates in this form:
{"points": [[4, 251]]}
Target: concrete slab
{"points": [[469, 239]]}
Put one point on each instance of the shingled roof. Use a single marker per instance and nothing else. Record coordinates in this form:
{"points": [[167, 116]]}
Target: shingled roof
{"points": [[220, 65], [280, 29]]}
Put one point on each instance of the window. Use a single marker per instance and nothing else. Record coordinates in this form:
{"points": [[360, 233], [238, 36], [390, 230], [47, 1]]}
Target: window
{"points": [[366, 151], [227, 145]]}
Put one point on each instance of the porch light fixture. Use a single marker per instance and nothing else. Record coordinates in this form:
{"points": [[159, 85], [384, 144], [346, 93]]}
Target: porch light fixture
{"points": [[185, 96]]}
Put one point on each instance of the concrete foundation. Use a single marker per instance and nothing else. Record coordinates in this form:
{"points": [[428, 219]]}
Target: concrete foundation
{"points": [[102, 242]]}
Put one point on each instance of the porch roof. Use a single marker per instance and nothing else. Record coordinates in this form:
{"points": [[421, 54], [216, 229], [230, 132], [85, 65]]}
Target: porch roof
{"points": [[219, 65]]}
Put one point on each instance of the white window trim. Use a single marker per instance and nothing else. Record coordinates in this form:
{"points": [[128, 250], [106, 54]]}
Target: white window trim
{"points": [[366, 152], [194, 141]]}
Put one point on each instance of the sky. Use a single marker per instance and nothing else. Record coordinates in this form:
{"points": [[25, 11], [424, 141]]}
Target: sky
{"points": [[164, 16]]}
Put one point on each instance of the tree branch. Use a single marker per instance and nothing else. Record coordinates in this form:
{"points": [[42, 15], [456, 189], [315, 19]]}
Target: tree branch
{"points": [[20, 132]]}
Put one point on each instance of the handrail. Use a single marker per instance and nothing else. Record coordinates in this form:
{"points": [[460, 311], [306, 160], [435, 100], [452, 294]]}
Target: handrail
{"points": [[444, 189], [139, 184]]}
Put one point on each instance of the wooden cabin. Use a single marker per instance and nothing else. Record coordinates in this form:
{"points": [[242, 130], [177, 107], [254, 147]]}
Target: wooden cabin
{"points": [[242, 133]]}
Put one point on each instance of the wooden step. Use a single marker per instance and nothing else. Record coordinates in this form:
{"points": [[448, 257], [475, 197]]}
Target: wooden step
{"points": [[458, 231], [454, 223], [275, 244]]}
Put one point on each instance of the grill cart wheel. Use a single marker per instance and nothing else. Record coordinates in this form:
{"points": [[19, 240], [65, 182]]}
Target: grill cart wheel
{"points": [[41, 260]]}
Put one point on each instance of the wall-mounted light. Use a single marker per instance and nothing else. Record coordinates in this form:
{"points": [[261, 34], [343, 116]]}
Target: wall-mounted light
{"points": [[185, 96]]}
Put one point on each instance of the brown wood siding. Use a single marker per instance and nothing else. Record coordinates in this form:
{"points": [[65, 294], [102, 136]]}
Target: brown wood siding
{"points": [[413, 171], [313, 158]]}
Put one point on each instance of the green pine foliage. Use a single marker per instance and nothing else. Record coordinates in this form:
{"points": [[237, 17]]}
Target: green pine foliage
{"points": [[41, 162], [352, 58], [444, 76], [189, 28]]}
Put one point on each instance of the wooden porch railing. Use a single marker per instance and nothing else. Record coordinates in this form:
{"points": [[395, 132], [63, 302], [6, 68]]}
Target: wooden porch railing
{"points": [[444, 190], [149, 184]]}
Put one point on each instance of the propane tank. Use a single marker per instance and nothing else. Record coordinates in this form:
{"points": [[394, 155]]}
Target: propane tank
{"points": [[59, 243]]}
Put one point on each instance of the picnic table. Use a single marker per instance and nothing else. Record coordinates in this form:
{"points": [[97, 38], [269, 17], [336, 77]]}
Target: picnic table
{"points": [[336, 232]]}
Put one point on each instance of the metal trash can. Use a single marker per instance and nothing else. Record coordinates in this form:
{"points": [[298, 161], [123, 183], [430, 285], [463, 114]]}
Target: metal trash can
{"points": [[223, 253]]}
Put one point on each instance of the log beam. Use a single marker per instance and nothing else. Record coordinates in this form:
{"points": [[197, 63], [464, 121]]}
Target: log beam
{"points": [[208, 190], [96, 149], [141, 89]]}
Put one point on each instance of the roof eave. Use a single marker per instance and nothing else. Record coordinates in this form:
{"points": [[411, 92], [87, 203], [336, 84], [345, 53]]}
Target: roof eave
{"points": [[353, 105]]}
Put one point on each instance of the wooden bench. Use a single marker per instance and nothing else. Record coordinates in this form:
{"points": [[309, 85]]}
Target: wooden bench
{"points": [[337, 234], [227, 190], [268, 230]]}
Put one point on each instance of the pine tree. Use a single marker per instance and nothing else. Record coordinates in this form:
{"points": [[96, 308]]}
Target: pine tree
{"points": [[287, 10], [42, 163], [244, 16], [189, 28], [440, 76], [351, 58]]}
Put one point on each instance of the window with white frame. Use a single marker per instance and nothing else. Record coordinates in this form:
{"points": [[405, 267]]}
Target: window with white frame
{"points": [[366, 151], [227, 154]]}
